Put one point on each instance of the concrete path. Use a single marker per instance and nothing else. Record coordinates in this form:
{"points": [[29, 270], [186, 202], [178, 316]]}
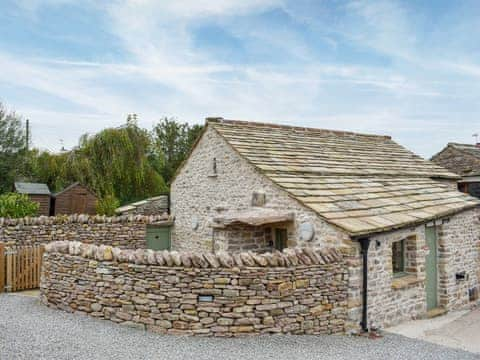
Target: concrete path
{"points": [[459, 330], [29, 330]]}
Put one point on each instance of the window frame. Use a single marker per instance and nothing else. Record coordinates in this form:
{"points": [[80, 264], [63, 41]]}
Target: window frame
{"points": [[279, 238], [403, 266]]}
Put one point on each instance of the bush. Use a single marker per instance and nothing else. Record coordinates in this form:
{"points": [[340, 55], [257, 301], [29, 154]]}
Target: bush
{"points": [[107, 205], [13, 205]]}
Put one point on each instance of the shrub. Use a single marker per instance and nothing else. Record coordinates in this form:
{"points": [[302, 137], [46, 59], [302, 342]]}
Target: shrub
{"points": [[13, 205], [107, 205]]}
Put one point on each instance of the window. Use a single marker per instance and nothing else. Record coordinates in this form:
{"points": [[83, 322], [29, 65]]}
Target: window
{"points": [[213, 172], [280, 239], [398, 257], [214, 166]]}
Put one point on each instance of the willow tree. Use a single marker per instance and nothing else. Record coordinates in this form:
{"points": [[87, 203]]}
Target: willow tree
{"points": [[116, 162], [127, 163], [49, 168]]}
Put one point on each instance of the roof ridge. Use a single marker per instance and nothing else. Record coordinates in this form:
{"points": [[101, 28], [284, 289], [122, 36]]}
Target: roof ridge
{"points": [[221, 120], [462, 144]]}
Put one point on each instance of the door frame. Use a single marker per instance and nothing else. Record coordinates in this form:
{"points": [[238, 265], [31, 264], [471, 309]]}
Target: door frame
{"points": [[150, 229], [433, 229]]}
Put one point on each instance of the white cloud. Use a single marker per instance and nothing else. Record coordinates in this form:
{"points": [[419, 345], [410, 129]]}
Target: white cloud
{"points": [[159, 52]]}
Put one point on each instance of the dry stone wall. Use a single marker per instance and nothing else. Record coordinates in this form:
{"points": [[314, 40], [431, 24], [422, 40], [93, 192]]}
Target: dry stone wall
{"points": [[123, 231], [299, 291]]}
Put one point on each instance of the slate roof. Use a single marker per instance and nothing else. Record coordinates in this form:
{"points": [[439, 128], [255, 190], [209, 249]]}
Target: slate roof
{"points": [[32, 188], [361, 183], [162, 199], [463, 160], [468, 148]]}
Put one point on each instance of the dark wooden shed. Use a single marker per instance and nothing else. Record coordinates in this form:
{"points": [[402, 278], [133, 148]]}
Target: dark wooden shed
{"points": [[75, 199], [37, 192]]}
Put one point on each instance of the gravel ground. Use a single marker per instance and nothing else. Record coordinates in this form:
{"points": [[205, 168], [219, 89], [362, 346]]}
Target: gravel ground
{"points": [[29, 330]]}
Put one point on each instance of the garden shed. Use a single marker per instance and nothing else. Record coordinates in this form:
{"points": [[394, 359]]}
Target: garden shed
{"points": [[412, 236], [37, 192], [74, 199]]}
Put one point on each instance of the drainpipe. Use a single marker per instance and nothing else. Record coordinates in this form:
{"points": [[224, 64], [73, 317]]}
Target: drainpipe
{"points": [[365, 243]]}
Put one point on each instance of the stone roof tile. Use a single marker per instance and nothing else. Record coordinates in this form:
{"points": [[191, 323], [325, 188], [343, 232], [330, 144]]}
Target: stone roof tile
{"points": [[360, 183]]}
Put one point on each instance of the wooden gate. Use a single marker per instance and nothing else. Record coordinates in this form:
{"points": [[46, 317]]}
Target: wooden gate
{"points": [[20, 267]]}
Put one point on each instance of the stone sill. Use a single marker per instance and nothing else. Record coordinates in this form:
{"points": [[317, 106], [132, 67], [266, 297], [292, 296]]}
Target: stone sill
{"points": [[404, 281]]}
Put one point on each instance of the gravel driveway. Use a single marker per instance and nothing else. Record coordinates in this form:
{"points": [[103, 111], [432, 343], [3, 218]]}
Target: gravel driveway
{"points": [[29, 330]]}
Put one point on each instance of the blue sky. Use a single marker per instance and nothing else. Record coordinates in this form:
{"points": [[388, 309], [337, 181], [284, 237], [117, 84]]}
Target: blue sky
{"points": [[409, 69]]}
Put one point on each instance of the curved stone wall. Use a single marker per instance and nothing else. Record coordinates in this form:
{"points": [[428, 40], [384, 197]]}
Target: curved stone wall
{"points": [[299, 291], [126, 231]]}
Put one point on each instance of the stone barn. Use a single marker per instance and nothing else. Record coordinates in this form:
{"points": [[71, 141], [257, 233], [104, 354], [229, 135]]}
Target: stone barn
{"points": [[37, 192], [412, 237], [464, 160], [74, 199]]}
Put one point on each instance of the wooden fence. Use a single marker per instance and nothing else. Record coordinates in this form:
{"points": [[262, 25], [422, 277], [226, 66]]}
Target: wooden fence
{"points": [[20, 267]]}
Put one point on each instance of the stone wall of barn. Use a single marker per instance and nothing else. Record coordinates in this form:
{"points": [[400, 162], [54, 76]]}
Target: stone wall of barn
{"points": [[198, 195], [393, 300], [123, 231], [390, 300], [237, 238], [294, 292], [459, 253]]}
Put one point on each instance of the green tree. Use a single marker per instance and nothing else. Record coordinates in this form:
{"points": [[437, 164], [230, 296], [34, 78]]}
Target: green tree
{"points": [[116, 162], [12, 149], [49, 168], [127, 163], [173, 141], [107, 205], [13, 205]]}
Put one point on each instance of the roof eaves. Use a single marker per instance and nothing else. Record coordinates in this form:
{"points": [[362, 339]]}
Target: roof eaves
{"points": [[410, 224]]}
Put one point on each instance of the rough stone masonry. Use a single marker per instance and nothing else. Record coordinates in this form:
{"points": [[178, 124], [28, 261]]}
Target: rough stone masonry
{"points": [[127, 231], [298, 291]]}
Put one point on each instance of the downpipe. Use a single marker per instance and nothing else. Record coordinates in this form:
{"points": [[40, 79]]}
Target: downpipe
{"points": [[364, 244]]}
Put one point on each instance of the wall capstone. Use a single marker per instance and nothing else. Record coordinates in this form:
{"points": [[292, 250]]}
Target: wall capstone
{"points": [[125, 231]]}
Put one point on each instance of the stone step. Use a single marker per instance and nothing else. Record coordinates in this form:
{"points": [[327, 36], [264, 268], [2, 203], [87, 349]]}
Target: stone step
{"points": [[438, 311]]}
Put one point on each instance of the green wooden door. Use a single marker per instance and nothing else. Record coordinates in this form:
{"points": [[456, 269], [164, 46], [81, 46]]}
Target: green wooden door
{"points": [[431, 284], [158, 238]]}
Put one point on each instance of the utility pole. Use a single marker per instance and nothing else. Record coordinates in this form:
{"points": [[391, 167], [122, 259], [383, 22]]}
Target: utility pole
{"points": [[27, 135]]}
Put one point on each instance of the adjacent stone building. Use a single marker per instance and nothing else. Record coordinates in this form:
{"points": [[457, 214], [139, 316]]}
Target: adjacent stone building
{"points": [[413, 239], [464, 160], [150, 206]]}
